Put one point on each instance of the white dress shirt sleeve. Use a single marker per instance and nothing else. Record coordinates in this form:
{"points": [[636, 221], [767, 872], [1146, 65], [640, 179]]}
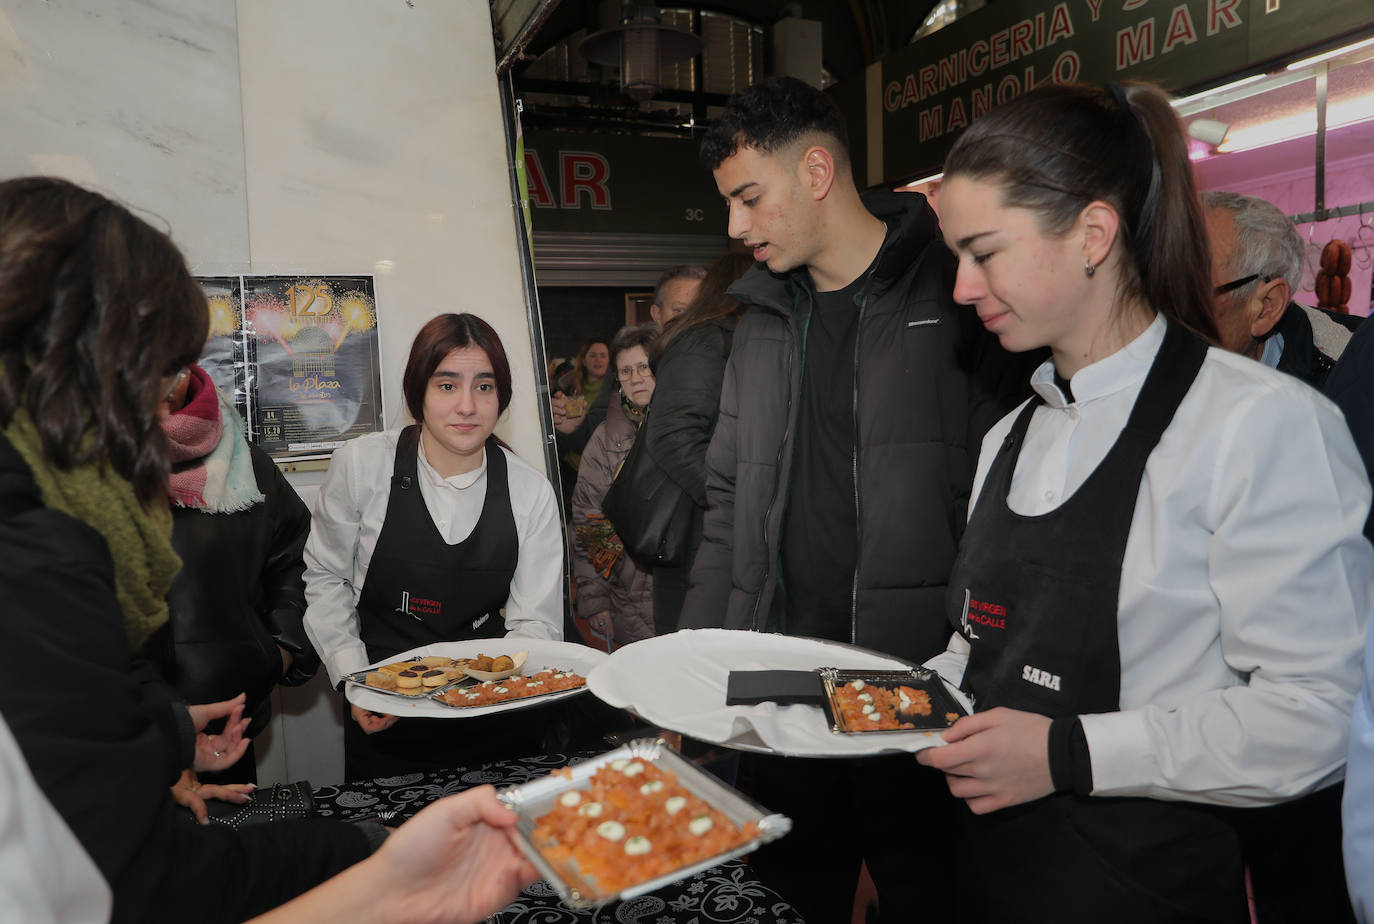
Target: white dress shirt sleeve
{"points": [[331, 615], [535, 606], [1290, 572]]}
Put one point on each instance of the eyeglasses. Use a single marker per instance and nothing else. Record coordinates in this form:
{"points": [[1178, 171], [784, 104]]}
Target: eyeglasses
{"points": [[1235, 284], [627, 372]]}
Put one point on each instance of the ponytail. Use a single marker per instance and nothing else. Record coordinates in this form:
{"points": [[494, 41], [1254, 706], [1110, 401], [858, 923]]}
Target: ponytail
{"points": [[1058, 148]]}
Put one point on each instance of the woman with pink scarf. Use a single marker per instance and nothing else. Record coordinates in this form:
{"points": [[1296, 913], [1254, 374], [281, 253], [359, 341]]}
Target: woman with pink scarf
{"points": [[236, 605]]}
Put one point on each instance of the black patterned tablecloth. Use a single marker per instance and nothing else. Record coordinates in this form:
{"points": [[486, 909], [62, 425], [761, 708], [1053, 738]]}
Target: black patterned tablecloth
{"points": [[726, 894]]}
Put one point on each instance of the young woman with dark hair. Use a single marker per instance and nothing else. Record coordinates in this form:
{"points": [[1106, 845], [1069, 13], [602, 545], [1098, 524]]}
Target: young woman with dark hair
{"points": [[1163, 582], [431, 533], [98, 312]]}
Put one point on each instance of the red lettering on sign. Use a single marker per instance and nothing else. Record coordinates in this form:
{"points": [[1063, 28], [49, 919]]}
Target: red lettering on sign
{"points": [[1061, 25], [982, 100], [1066, 67], [538, 184], [930, 122], [1000, 57], [1132, 5], [892, 97], [950, 71], [1020, 38], [1180, 31], [979, 50], [929, 75], [910, 94], [1095, 8], [1135, 45], [1218, 10], [1008, 89], [958, 116], [585, 171]]}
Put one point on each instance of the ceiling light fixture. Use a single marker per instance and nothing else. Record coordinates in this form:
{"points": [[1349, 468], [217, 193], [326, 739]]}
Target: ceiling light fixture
{"points": [[638, 46], [1328, 55], [922, 181], [1341, 114]]}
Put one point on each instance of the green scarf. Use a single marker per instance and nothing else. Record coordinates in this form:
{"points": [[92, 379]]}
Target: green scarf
{"points": [[139, 538], [633, 412]]}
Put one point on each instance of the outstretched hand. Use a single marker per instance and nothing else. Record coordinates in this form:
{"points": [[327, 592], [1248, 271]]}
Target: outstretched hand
{"points": [[995, 759], [221, 751], [454, 863]]}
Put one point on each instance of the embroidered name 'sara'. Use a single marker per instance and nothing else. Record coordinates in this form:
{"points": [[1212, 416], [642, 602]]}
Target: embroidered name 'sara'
{"points": [[1043, 678]]}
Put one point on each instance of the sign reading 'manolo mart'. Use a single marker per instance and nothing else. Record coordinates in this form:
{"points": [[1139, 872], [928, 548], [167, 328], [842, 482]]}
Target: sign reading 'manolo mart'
{"points": [[931, 90]]}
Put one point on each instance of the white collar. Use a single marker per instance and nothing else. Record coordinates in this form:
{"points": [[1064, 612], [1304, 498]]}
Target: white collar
{"points": [[1124, 368], [460, 481]]}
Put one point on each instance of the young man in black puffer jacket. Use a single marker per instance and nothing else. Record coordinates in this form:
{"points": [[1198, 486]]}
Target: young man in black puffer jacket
{"points": [[854, 403]]}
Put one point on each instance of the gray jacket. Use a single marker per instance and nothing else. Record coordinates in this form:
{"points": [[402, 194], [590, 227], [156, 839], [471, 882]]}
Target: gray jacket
{"points": [[928, 382], [628, 592]]}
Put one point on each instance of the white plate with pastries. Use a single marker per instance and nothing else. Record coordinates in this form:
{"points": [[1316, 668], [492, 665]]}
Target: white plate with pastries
{"points": [[539, 654]]}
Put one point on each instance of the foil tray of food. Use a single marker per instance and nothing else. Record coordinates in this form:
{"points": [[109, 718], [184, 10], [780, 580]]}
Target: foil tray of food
{"points": [[872, 702], [633, 820]]}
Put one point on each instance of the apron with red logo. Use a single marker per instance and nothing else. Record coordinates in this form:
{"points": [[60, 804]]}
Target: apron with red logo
{"points": [[1036, 598]]}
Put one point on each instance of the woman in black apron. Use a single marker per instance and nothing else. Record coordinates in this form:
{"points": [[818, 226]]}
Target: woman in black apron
{"points": [[1163, 583], [429, 534]]}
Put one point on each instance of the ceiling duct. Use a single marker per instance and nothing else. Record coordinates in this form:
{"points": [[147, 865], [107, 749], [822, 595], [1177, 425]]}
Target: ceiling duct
{"points": [[638, 46]]}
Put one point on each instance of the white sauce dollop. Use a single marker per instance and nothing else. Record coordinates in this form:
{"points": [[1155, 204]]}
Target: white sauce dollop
{"points": [[651, 787], [611, 830], [675, 804], [570, 798], [700, 825], [637, 845], [590, 810]]}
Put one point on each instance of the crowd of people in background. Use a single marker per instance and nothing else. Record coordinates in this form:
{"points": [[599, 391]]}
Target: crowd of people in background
{"points": [[1047, 403]]}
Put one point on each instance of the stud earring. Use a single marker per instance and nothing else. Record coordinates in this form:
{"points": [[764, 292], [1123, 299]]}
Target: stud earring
{"points": [[1088, 268]]}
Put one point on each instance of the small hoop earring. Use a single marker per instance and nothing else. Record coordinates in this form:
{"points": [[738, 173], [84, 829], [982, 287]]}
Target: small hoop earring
{"points": [[1088, 268]]}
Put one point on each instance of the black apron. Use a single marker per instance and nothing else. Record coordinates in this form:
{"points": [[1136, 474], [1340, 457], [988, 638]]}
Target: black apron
{"points": [[1036, 597], [420, 590]]}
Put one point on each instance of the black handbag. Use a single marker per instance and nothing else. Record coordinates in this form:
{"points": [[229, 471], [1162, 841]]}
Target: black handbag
{"points": [[650, 513], [282, 801]]}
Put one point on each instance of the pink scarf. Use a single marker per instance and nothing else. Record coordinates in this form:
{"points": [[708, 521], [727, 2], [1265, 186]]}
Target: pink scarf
{"points": [[212, 469]]}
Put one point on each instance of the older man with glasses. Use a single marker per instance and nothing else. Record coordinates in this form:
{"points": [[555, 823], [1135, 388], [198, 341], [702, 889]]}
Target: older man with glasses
{"points": [[1256, 270]]}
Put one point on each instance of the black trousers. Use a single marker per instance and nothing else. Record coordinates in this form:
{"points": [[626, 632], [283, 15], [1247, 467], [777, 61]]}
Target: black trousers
{"points": [[889, 812]]}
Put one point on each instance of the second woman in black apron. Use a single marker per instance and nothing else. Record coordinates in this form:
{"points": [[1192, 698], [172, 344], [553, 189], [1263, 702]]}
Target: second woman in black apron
{"points": [[1163, 582], [435, 533]]}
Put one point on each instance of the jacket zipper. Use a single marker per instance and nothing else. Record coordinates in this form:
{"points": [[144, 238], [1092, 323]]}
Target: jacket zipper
{"points": [[858, 510], [771, 575]]}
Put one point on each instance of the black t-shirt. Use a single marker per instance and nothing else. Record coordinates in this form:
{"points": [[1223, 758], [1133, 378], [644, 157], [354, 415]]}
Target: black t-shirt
{"points": [[820, 536]]}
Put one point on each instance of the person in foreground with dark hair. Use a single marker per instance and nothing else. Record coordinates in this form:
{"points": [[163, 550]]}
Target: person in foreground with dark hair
{"points": [[97, 313], [428, 534], [838, 473], [1163, 587], [453, 863]]}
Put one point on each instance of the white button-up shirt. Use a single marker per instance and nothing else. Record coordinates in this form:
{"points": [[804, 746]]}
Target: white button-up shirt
{"points": [[347, 521], [1246, 582]]}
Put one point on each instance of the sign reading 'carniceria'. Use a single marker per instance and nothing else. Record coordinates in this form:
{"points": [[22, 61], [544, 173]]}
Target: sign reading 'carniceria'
{"points": [[934, 88]]}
